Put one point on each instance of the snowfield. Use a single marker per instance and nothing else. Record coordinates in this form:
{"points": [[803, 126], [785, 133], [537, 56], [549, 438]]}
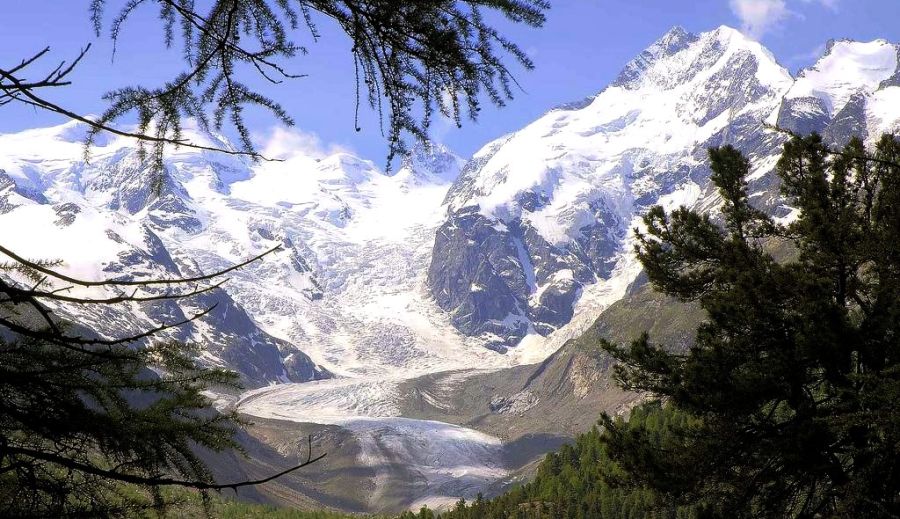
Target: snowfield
{"points": [[847, 68]]}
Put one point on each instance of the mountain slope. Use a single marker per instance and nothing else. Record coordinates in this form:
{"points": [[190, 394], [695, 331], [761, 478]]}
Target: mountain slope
{"points": [[340, 297], [538, 221]]}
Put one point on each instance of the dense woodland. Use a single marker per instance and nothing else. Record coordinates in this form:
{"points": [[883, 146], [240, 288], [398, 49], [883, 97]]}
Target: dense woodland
{"points": [[576, 482]]}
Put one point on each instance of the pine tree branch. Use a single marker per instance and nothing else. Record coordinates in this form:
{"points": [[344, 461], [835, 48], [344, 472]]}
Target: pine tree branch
{"points": [[13, 88], [58, 337], [831, 151], [54, 295], [154, 481], [112, 282]]}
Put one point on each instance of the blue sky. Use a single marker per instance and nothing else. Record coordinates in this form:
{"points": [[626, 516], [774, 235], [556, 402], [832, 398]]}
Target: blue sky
{"points": [[582, 48]]}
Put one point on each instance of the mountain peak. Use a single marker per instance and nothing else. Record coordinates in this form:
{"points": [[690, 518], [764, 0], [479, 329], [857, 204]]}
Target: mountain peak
{"points": [[433, 160], [726, 32], [846, 68], [680, 55], [674, 41], [676, 36]]}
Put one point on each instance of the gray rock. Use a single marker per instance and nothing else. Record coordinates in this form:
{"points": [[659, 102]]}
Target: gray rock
{"points": [[850, 121], [555, 305], [477, 276], [66, 213], [803, 115]]}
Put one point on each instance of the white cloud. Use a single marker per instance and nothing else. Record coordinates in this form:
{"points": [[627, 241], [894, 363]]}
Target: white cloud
{"points": [[761, 16], [282, 143]]}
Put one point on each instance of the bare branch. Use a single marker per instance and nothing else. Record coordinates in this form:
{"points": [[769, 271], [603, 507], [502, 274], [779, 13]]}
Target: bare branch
{"points": [[113, 282], [145, 480]]}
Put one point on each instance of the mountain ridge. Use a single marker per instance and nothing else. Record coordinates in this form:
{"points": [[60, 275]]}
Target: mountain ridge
{"points": [[568, 187]]}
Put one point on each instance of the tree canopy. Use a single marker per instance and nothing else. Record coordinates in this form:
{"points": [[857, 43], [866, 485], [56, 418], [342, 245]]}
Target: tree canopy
{"points": [[794, 380], [413, 58]]}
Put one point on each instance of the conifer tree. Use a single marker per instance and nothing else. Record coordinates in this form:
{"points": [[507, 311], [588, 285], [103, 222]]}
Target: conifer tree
{"points": [[97, 426], [794, 380]]}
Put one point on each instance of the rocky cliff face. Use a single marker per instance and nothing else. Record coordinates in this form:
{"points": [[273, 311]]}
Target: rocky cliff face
{"points": [[541, 217]]}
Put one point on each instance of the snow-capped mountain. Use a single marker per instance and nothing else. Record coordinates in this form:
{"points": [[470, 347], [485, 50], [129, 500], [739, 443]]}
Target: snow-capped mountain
{"points": [[412, 272], [849, 91], [538, 222], [384, 280], [341, 297]]}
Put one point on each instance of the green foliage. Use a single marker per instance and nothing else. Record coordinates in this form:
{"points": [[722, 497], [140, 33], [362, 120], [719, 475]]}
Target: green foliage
{"points": [[221, 506], [246, 511], [575, 482], [794, 378], [77, 423], [411, 57], [238, 510]]}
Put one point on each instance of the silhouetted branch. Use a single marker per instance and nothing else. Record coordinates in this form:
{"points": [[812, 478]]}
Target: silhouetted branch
{"points": [[832, 151], [112, 282], [13, 88], [151, 480]]}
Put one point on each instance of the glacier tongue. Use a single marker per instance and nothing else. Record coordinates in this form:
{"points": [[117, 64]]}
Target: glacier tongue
{"points": [[447, 461]]}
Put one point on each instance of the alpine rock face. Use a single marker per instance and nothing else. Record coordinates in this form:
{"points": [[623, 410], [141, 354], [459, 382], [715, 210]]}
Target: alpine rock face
{"points": [[538, 222]]}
